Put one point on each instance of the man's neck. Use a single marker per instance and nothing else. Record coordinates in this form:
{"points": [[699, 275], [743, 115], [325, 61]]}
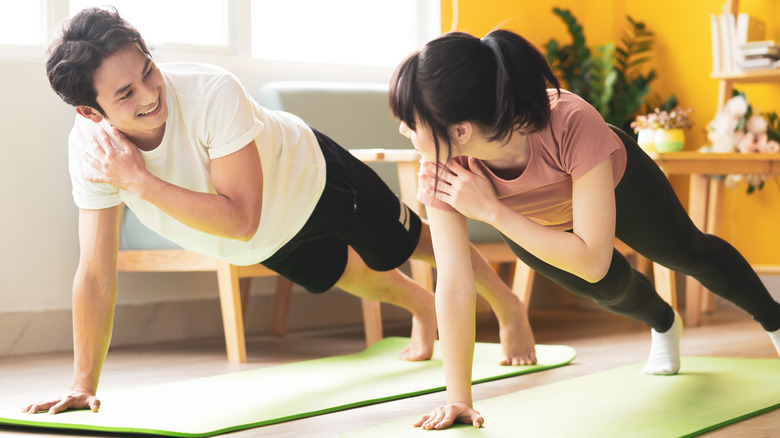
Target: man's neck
{"points": [[147, 141]]}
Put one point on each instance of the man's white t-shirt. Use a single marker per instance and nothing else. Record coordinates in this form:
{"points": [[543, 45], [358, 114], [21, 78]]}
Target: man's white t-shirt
{"points": [[210, 115]]}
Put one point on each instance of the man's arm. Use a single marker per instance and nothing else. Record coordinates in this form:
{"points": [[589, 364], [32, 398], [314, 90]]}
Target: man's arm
{"points": [[233, 212], [94, 297]]}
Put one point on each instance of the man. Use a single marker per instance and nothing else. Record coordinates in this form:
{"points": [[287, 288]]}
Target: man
{"points": [[200, 162]]}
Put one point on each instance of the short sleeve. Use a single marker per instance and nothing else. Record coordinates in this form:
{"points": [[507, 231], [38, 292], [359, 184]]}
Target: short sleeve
{"points": [[586, 141], [230, 122], [87, 195]]}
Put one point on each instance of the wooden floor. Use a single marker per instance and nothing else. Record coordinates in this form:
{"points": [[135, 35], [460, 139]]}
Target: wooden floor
{"points": [[602, 341]]}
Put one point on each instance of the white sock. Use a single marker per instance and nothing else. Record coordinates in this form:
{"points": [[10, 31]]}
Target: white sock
{"points": [[775, 336], [665, 350]]}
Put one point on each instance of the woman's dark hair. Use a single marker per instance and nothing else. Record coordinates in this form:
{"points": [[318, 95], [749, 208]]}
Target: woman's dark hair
{"points": [[498, 82], [84, 42]]}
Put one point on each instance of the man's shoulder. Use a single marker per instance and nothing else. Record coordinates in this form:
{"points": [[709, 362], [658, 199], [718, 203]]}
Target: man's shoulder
{"points": [[192, 69], [84, 129], [189, 80], [194, 75]]}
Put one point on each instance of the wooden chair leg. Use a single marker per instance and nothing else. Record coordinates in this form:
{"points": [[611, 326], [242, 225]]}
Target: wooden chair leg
{"points": [[666, 284], [693, 302], [644, 266], [372, 320], [281, 306], [232, 320], [244, 286], [421, 273], [523, 282], [714, 226]]}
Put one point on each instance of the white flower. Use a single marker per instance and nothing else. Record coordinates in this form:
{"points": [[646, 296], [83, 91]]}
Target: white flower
{"points": [[737, 106], [772, 147], [756, 125], [724, 123], [748, 144]]}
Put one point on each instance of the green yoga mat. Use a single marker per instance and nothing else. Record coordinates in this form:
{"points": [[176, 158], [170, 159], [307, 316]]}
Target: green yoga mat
{"points": [[707, 394], [280, 393]]}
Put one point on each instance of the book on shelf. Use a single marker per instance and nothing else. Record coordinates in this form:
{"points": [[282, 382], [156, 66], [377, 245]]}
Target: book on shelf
{"points": [[768, 48], [759, 44], [758, 64], [749, 29], [728, 52], [717, 62], [736, 37]]}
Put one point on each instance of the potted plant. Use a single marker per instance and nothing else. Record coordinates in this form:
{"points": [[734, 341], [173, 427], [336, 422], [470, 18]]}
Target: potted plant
{"points": [[661, 130], [609, 76]]}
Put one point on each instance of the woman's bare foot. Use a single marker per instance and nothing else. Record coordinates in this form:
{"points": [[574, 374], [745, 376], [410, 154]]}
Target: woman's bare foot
{"points": [[423, 334], [517, 338]]}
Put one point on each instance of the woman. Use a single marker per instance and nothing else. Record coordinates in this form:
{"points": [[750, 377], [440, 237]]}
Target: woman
{"points": [[543, 168]]}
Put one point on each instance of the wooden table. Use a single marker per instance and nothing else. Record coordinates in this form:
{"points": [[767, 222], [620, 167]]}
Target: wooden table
{"points": [[705, 203]]}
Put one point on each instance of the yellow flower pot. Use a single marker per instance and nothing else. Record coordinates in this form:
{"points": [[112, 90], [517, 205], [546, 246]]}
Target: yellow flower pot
{"points": [[669, 140]]}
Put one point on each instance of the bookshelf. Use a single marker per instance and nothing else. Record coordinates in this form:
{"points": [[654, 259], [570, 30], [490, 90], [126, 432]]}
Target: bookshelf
{"points": [[711, 190], [726, 80]]}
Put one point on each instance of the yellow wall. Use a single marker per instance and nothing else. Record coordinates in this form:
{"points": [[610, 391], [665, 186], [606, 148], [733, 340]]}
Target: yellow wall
{"points": [[682, 60]]}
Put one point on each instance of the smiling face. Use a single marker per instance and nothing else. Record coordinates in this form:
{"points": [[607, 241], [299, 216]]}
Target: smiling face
{"points": [[131, 91]]}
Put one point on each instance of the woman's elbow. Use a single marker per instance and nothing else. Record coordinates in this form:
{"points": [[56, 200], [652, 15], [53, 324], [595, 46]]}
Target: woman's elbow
{"points": [[595, 270]]}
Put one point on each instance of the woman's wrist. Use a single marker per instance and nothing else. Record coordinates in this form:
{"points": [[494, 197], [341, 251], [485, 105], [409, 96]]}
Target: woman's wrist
{"points": [[461, 402], [493, 214]]}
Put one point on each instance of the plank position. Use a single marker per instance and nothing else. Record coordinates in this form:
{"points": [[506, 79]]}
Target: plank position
{"points": [[186, 148]]}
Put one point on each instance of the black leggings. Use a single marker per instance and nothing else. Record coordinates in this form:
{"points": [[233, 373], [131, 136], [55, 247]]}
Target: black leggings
{"points": [[651, 220]]}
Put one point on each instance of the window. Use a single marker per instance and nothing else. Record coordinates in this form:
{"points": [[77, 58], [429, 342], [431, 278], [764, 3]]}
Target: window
{"points": [[240, 33], [22, 23], [360, 32], [172, 22]]}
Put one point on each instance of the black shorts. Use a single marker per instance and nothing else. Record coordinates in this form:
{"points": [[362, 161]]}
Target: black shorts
{"points": [[356, 209]]}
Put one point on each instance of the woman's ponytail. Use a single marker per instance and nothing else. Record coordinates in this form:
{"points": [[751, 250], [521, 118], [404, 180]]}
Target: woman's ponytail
{"points": [[522, 78], [499, 83]]}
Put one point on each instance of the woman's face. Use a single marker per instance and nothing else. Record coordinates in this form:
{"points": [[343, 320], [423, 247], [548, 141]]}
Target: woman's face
{"points": [[422, 139]]}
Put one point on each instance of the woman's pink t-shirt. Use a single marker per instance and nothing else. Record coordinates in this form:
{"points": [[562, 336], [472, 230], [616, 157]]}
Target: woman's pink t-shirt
{"points": [[574, 142]]}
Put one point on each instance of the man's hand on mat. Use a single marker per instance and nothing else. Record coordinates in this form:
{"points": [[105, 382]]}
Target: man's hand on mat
{"points": [[444, 416], [75, 399]]}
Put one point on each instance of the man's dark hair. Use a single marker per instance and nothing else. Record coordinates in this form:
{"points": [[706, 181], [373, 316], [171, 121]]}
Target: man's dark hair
{"points": [[85, 41]]}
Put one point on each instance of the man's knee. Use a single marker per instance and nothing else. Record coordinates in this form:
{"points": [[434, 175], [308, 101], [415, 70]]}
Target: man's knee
{"points": [[355, 272]]}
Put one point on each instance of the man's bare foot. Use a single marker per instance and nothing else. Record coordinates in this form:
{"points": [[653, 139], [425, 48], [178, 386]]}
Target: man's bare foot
{"points": [[517, 338], [421, 342]]}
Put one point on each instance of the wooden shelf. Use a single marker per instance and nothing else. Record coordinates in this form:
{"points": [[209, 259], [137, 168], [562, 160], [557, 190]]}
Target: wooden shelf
{"points": [[749, 76], [711, 163]]}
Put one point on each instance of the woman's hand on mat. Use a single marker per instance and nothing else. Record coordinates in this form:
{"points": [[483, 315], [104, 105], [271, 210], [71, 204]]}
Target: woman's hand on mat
{"points": [[444, 417], [75, 399]]}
